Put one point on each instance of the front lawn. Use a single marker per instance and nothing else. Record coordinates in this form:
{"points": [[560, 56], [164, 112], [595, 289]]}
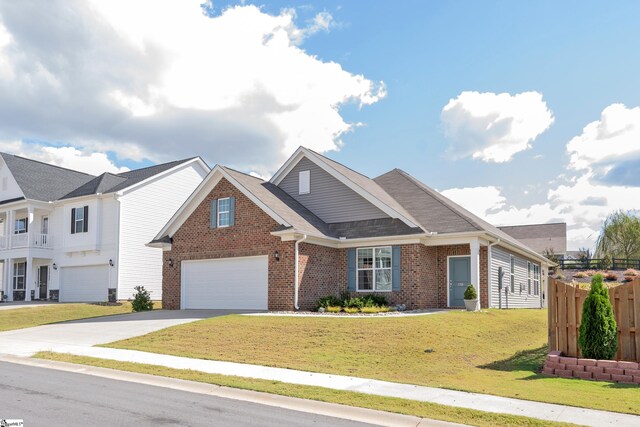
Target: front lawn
{"points": [[495, 352], [28, 317]]}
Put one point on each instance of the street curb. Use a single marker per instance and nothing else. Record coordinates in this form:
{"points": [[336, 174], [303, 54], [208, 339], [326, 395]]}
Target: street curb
{"points": [[351, 413]]}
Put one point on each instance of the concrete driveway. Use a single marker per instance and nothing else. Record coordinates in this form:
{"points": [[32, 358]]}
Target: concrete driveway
{"points": [[61, 337]]}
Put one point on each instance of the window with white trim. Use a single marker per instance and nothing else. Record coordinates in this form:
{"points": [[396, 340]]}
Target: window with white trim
{"points": [[529, 276], [19, 271], [224, 209], [79, 220], [512, 273], [304, 182], [374, 269], [536, 279], [21, 226]]}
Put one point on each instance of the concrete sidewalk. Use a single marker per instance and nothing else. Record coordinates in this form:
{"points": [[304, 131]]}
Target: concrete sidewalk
{"points": [[481, 402]]}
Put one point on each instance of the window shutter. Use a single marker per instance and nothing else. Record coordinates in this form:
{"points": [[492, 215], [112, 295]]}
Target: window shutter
{"points": [[395, 268], [214, 213], [26, 225], [85, 221], [351, 269], [232, 211], [73, 220]]}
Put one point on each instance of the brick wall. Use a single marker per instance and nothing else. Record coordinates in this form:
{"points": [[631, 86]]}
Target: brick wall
{"points": [[250, 236], [322, 272], [591, 369]]}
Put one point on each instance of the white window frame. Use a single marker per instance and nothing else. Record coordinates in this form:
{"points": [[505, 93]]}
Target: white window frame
{"points": [[24, 221], [536, 279], [17, 275], [79, 221], [373, 268], [304, 182], [219, 212], [529, 276], [512, 274]]}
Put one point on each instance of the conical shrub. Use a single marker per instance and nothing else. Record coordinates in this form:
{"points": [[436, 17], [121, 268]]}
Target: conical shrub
{"points": [[598, 337]]}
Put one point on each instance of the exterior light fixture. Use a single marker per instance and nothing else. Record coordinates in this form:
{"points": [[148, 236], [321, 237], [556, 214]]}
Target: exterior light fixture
{"points": [[277, 256], [55, 266], [170, 260], [110, 263]]}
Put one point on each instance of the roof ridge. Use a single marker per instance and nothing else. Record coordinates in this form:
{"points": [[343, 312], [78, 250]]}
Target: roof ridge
{"points": [[227, 168], [436, 195], [177, 162], [47, 164], [337, 162]]}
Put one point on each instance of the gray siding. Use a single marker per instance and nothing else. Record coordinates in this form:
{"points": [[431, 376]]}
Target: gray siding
{"points": [[500, 257], [329, 199]]}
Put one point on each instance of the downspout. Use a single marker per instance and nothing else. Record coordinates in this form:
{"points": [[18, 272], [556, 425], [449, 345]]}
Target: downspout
{"points": [[296, 268], [489, 260]]}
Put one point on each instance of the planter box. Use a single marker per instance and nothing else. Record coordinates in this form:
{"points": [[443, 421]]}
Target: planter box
{"points": [[471, 304]]}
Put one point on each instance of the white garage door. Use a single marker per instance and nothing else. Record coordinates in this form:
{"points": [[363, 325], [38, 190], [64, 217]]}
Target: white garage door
{"points": [[228, 283], [84, 284]]}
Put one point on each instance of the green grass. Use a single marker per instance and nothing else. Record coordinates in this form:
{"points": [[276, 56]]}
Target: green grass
{"points": [[496, 352], [35, 316], [401, 406]]}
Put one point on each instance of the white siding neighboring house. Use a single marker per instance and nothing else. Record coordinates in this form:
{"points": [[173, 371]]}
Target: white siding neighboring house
{"points": [[522, 286], [74, 236]]}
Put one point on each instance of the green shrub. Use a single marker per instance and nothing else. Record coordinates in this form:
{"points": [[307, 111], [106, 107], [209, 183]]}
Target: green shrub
{"points": [[351, 310], [470, 293], [334, 309], [141, 300], [373, 300], [330, 300], [356, 302], [598, 336]]}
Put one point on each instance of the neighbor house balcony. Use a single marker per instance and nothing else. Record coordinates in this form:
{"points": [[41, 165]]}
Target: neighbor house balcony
{"points": [[26, 240]]}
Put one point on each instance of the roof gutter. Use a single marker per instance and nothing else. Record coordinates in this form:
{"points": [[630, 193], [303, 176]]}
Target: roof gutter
{"points": [[296, 278]]}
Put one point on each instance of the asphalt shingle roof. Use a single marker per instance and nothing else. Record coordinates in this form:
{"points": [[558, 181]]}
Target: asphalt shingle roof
{"points": [[45, 182]]}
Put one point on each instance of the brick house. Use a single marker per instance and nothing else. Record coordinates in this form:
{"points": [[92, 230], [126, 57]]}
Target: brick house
{"points": [[318, 228]]}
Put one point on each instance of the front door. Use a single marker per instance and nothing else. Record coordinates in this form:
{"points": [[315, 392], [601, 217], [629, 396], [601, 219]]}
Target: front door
{"points": [[43, 281], [459, 279]]}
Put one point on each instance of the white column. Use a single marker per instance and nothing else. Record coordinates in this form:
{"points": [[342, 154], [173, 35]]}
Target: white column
{"points": [[9, 276], [28, 277], [10, 224], [475, 264], [30, 230]]}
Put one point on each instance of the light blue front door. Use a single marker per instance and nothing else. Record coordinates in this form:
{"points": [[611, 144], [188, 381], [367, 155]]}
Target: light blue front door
{"points": [[459, 279]]}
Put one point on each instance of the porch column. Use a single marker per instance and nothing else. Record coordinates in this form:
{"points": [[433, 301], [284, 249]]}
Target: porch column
{"points": [[8, 274], [474, 246], [28, 277], [10, 219], [30, 230]]}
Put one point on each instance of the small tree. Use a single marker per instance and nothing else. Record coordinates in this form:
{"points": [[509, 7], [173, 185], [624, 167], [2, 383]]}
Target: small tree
{"points": [[141, 300], [470, 293], [620, 236], [598, 336]]}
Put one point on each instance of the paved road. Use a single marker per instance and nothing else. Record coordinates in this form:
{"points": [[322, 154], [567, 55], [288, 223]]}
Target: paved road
{"points": [[44, 397]]}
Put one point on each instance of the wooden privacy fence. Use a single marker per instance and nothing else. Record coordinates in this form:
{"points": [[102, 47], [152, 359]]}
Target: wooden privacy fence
{"points": [[565, 314]]}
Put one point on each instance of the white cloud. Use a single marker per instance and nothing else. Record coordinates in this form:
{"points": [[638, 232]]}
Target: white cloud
{"points": [[479, 200], [67, 157], [161, 80], [494, 127]]}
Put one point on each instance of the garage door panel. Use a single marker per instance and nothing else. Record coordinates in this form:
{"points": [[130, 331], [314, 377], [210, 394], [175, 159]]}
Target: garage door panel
{"points": [[229, 283], [84, 284]]}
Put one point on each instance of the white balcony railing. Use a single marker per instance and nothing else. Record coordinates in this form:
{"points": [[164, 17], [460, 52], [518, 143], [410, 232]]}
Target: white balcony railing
{"points": [[26, 240]]}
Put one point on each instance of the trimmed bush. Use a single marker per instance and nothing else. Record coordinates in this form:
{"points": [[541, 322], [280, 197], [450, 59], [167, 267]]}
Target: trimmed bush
{"points": [[374, 300], [334, 309], [631, 272], [330, 300], [611, 277], [353, 303], [141, 300], [598, 337], [351, 310], [581, 275], [470, 293]]}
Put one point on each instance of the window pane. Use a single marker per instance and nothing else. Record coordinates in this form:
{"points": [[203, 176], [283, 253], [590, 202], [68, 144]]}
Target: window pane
{"points": [[223, 219], [365, 258], [79, 226], [223, 205], [383, 280], [79, 214], [365, 280], [383, 257]]}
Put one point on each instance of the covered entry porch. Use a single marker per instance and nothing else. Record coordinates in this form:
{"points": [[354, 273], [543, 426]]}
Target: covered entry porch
{"points": [[27, 279]]}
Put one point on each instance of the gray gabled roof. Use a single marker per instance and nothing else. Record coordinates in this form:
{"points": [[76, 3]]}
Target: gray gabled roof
{"points": [[540, 237], [434, 211], [46, 182], [42, 181], [110, 183]]}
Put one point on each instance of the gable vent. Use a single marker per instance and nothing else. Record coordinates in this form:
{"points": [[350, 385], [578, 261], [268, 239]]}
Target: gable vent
{"points": [[304, 182]]}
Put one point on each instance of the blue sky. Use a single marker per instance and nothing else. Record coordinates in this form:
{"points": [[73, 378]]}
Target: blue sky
{"points": [[223, 86]]}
